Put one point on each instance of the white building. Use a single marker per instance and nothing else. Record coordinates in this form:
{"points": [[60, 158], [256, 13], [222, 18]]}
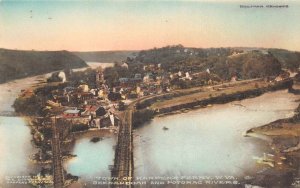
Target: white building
{"points": [[62, 76]]}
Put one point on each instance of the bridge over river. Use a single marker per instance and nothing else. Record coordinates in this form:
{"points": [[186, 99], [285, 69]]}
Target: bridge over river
{"points": [[123, 162], [123, 167], [122, 170], [57, 167]]}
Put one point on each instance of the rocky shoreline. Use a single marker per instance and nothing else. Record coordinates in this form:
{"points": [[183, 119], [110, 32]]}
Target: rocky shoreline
{"points": [[285, 144]]}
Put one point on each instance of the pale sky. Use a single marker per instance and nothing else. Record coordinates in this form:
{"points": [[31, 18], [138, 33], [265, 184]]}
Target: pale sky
{"points": [[133, 25]]}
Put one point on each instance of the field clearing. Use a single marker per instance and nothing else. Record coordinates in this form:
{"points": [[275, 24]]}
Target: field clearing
{"points": [[212, 91]]}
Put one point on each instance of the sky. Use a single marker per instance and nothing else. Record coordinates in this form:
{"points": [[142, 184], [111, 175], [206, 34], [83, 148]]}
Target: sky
{"points": [[91, 25]]}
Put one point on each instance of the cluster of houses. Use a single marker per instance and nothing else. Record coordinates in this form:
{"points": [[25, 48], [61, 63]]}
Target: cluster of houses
{"points": [[86, 106], [98, 106], [154, 80]]}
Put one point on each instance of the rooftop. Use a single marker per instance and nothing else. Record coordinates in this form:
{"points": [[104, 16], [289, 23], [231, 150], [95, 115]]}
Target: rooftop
{"points": [[72, 111]]}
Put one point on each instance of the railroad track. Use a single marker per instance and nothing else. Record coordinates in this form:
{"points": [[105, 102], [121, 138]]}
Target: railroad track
{"points": [[123, 164], [58, 171]]}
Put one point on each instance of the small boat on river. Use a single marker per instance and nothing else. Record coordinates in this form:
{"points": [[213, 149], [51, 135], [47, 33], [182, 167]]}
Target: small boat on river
{"points": [[165, 128]]}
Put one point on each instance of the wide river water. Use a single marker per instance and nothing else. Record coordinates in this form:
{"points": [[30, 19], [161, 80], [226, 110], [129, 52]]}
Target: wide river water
{"points": [[202, 142], [15, 137], [209, 141]]}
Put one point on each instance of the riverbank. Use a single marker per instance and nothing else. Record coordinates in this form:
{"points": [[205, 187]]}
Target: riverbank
{"points": [[218, 96], [94, 133], [16, 138], [284, 136], [191, 99]]}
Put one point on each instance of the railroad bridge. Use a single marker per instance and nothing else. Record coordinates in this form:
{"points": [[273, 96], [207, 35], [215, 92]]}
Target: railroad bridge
{"points": [[123, 162], [57, 167]]}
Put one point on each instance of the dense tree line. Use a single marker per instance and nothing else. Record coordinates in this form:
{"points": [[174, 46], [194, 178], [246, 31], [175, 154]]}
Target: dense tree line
{"points": [[224, 62]]}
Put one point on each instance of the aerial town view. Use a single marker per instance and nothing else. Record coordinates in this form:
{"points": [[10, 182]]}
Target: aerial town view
{"points": [[149, 94]]}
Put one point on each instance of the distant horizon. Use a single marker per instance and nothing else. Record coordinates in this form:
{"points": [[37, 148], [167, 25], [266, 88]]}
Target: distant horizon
{"points": [[138, 50]]}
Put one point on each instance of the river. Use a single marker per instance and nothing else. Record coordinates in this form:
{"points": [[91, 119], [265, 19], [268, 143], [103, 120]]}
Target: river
{"points": [[93, 159], [15, 137], [95, 65], [209, 141], [203, 142]]}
